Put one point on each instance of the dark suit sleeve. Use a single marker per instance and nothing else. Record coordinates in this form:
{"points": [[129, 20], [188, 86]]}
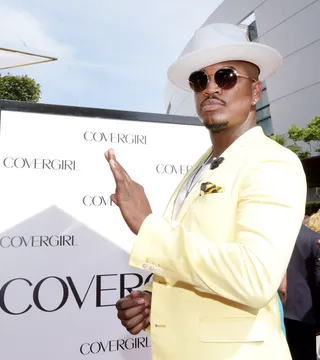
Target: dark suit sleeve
{"points": [[317, 289]]}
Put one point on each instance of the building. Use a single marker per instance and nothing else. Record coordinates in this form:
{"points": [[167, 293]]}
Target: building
{"points": [[291, 96]]}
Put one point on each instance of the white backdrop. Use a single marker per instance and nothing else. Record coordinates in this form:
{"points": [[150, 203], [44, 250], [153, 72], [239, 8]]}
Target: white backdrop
{"points": [[63, 245]]}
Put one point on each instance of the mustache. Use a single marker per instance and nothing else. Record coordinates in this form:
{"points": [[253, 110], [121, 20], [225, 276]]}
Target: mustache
{"points": [[212, 97]]}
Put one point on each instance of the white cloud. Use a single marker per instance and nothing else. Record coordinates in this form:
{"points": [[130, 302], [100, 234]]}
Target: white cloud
{"points": [[112, 54], [21, 31]]}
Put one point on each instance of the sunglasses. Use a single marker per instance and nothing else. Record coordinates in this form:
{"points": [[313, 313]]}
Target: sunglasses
{"points": [[225, 78]]}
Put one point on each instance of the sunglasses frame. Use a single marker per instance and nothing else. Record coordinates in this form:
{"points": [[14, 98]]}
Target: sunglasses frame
{"points": [[222, 68]]}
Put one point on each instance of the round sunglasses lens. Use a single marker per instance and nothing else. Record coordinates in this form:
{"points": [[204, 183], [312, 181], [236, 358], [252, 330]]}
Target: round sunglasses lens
{"points": [[225, 78], [198, 81]]}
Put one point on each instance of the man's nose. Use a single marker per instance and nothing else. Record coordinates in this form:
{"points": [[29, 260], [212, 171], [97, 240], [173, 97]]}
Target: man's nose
{"points": [[212, 87]]}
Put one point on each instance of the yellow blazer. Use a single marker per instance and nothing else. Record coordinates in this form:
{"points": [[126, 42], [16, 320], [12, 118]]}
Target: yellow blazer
{"points": [[218, 266]]}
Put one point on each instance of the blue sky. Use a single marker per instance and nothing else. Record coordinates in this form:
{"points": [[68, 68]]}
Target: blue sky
{"points": [[112, 54]]}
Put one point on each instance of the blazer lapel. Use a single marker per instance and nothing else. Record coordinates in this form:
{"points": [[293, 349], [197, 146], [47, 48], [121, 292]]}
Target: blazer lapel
{"points": [[168, 213], [245, 139], [194, 193]]}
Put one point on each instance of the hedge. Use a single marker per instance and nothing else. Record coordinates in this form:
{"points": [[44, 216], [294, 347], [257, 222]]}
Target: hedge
{"points": [[312, 208]]}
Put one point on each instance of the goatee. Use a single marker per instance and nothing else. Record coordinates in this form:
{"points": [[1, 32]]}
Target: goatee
{"points": [[216, 128]]}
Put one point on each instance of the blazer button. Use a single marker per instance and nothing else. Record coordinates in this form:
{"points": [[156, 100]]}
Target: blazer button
{"points": [[151, 268], [157, 271]]}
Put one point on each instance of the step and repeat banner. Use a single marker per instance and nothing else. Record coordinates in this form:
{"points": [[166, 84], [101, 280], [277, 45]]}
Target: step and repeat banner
{"points": [[63, 244]]}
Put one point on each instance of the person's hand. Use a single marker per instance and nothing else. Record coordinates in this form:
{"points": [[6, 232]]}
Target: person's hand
{"points": [[283, 297], [129, 196], [134, 311]]}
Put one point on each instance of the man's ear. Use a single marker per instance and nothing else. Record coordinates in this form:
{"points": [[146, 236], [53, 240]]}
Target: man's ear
{"points": [[256, 91]]}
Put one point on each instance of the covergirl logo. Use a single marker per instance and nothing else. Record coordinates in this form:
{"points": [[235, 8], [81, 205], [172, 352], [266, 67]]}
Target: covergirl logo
{"points": [[30, 295], [97, 200], [115, 138], [39, 164], [169, 169], [36, 241], [99, 347]]}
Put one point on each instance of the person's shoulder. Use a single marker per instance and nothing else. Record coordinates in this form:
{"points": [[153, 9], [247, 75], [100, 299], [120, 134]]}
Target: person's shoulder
{"points": [[272, 149], [310, 239], [266, 150], [312, 235]]}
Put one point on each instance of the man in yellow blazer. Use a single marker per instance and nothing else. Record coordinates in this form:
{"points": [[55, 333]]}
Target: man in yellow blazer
{"points": [[221, 249]]}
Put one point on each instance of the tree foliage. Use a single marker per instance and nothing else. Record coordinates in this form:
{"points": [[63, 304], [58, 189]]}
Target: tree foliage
{"points": [[280, 139], [19, 88], [310, 135]]}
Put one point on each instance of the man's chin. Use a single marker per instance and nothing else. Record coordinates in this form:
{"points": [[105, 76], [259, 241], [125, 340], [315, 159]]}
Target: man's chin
{"points": [[216, 127]]}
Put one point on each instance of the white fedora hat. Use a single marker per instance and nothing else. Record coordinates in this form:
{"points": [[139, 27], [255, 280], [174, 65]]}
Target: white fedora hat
{"points": [[219, 42]]}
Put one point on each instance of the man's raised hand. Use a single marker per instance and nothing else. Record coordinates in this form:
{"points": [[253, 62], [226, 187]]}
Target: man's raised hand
{"points": [[129, 195]]}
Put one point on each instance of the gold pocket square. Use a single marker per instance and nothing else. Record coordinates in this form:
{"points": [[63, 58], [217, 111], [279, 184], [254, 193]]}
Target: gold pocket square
{"points": [[209, 188]]}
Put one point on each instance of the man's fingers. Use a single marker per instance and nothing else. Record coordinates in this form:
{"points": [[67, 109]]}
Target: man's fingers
{"points": [[110, 154], [126, 175], [141, 326], [121, 169], [142, 294], [135, 298], [147, 311], [136, 320], [117, 172], [137, 329], [134, 311], [136, 294], [111, 157], [128, 302], [131, 312], [144, 324], [114, 166]]}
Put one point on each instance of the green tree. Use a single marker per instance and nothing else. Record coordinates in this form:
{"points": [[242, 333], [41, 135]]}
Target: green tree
{"points": [[309, 135], [280, 139], [19, 88]]}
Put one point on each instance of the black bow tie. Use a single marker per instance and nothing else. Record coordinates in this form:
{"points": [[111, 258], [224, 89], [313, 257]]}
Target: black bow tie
{"points": [[216, 162]]}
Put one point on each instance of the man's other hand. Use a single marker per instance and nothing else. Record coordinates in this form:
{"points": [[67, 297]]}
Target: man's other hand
{"points": [[134, 311]]}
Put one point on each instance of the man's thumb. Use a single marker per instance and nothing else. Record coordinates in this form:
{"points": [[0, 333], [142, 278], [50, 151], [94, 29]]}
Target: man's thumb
{"points": [[140, 294], [135, 294]]}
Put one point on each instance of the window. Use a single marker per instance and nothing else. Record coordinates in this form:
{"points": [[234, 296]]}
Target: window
{"points": [[250, 27], [252, 31], [264, 98], [263, 112], [266, 125], [264, 120]]}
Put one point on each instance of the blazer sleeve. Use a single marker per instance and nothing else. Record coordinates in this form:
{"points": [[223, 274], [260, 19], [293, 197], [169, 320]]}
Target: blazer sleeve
{"points": [[248, 270], [148, 286]]}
